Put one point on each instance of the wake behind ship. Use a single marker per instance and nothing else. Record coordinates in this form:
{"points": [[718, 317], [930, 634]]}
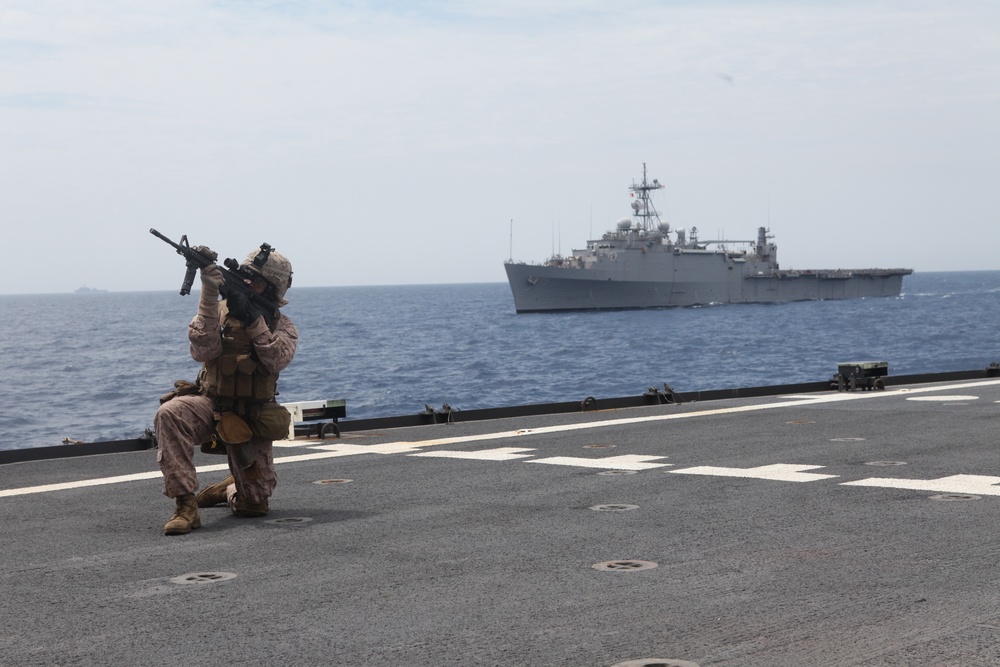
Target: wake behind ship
{"points": [[643, 263]]}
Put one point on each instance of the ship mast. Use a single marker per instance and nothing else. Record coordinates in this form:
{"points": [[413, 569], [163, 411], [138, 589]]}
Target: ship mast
{"points": [[643, 208]]}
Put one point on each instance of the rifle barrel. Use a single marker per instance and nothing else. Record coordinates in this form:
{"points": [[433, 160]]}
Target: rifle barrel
{"points": [[165, 239]]}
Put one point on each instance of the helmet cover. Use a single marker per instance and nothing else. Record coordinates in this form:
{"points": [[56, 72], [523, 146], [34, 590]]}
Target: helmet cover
{"points": [[273, 267]]}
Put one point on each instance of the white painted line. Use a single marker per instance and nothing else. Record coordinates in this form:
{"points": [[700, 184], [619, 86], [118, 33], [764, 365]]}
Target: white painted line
{"points": [[981, 485], [298, 458], [498, 454], [943, 398], [354, 450], [101, 481], [779, 472], [624, 462]]}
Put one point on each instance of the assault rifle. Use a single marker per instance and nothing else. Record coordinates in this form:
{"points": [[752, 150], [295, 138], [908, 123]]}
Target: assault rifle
{"points": [[234, 275]]}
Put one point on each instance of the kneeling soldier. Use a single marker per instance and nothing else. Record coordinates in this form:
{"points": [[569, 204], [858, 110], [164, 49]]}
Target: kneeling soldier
{"points": [[232, 409]]}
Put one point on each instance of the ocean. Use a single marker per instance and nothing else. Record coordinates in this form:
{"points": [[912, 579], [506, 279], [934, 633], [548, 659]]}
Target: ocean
{"points": [[92, 366]]}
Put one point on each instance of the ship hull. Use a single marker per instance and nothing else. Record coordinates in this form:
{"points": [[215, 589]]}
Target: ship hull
{"points": [[708, 279]]}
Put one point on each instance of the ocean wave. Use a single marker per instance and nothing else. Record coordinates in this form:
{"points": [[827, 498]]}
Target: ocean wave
{"points": [[391, 350]]}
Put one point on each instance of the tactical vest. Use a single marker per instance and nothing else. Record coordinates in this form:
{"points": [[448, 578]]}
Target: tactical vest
{"points": [[236, 374]]}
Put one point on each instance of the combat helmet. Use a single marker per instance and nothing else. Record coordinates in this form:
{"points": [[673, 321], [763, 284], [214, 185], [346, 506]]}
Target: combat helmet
{"points": [[273, 267]]}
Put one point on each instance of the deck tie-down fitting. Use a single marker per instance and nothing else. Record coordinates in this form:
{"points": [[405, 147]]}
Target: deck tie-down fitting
{"points": [[668, 395], [445, 412]]}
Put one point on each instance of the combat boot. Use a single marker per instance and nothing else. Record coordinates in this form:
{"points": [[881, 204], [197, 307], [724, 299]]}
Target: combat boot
{"points": [[246, 508], [185, 517], [215, 494]]}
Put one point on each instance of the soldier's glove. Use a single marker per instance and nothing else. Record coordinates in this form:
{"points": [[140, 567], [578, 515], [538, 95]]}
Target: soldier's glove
{"points": [[211, 280], [242, 308]]}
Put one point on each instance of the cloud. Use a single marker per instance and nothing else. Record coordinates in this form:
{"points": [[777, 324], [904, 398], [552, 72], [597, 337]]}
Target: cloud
{"points": [[392, 142]]}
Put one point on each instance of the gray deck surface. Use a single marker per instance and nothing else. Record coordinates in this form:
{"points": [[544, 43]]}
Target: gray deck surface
{"points": [[824, 529]]}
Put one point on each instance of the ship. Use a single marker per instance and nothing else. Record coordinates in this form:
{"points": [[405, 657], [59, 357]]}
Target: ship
{"points": [[644, 263]]}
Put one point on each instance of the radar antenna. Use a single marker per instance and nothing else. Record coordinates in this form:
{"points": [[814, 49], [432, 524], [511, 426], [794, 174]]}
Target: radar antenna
{"points": [[642, 207]]}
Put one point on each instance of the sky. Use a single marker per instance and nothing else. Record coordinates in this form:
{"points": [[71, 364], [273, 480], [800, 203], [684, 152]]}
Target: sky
{"points": [[409, 142]]}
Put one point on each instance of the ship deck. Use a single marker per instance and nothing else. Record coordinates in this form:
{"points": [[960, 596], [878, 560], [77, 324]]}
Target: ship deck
{"points": [[819, 528]]}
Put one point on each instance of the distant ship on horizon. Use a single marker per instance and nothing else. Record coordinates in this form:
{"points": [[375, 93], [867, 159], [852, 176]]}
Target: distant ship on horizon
{"points": [[88, 290], [643, 263]]}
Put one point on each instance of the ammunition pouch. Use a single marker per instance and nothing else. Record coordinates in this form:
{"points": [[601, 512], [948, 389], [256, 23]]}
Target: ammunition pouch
{"points": [[232, 433], [269, 421], [232, 429], [236, 373]]}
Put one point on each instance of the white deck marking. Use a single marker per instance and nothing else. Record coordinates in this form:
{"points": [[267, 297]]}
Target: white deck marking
{"points": [[624, 462], [385, 448], [404, 447], [779, 472], [981, 485], [498, 454], [79, 484], [944, 398]]}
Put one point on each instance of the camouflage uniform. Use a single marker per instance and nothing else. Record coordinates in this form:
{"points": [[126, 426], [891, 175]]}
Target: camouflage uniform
{"points": [[185, 422]]}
